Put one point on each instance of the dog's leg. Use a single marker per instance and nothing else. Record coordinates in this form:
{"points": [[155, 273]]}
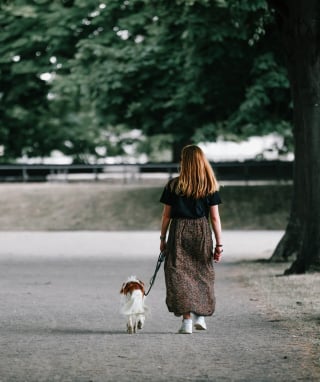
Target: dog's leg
{"points": [[130, 325], [141, 319], [135, 324]]}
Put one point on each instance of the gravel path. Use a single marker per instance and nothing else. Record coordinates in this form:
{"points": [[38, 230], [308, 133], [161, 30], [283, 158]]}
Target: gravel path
{"points": [[59, 317]]}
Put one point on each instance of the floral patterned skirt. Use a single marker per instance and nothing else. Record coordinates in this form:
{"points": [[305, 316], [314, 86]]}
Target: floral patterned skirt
{"points": [[188, 267]]}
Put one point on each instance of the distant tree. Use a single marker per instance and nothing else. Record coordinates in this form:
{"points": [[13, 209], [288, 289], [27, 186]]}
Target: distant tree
{"points": [[23, 103], [37, 39], [191, 69], [299, 27]]}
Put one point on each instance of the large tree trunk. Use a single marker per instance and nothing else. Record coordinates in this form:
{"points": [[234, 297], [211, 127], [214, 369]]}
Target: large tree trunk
{"points": [[290, 243], [299, 24], [177, 146]]}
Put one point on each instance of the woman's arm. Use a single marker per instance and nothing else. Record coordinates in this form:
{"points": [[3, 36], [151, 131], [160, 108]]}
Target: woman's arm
{"points": [[216, 226], [165, 221]]}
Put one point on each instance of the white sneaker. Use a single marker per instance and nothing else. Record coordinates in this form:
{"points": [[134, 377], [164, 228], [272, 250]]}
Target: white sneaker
{"points": [[186, 327], [199, 323]]}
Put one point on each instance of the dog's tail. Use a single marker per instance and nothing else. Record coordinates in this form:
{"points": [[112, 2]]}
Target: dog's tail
{"points": [[133, 304]]}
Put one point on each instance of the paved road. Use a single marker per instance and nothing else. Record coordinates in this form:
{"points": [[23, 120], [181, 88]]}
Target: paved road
{"points": [[59, 320]]}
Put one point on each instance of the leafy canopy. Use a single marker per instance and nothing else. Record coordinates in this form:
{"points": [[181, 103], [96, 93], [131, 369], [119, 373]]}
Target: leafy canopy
{"points": [[192, 70]]}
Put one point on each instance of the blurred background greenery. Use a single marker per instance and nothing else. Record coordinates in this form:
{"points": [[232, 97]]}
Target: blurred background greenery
{"points": [[90, 78]]}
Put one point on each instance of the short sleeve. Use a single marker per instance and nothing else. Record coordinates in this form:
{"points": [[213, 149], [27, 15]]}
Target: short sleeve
{"points": [[167, 196], [214, 199]]}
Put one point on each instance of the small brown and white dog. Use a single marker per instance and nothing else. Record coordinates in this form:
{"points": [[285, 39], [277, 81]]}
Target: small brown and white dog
{"points": [[132, 303]]}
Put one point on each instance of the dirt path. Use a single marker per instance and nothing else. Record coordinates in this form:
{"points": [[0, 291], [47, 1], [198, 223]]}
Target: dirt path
{"points": [[59, 321]]}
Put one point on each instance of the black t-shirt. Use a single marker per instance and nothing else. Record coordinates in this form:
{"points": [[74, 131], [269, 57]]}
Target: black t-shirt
{"points": [[188, 208]]}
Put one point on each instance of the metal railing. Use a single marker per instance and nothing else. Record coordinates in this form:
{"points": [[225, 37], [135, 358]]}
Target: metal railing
{"points": [[126, 173]]}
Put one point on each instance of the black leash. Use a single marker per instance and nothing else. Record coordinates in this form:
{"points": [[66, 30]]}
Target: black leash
{"points": [[153, 278]]}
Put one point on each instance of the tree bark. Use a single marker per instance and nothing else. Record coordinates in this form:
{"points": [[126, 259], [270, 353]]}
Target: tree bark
{"points": [[288, 247], [177, 146], [299, 25]]}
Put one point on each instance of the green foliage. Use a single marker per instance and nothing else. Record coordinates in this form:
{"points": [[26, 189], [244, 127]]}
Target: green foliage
{"points": [[37, 37], [195, 69], [187, 70], [264, 108]]}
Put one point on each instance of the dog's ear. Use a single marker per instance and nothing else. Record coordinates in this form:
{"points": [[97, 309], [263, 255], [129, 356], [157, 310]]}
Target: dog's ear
{"points": [[142, 286], [122, 288]]}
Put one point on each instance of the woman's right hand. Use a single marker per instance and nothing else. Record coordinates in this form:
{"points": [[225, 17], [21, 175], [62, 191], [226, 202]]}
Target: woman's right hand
{"points": [[163, 245]]}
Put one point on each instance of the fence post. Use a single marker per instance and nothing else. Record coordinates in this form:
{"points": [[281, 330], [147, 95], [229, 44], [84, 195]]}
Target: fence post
{"points": [[24, 174]]}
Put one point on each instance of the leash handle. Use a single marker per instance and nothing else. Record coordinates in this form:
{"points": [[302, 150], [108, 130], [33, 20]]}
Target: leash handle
{"points": [[153, 278]]}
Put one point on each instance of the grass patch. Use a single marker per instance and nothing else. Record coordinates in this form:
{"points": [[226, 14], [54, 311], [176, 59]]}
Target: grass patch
{"points": [[101, 206], [255, 207]]}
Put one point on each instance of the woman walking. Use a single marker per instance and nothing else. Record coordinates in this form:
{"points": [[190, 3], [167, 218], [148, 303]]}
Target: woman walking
{"points": [[190, 204]]}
